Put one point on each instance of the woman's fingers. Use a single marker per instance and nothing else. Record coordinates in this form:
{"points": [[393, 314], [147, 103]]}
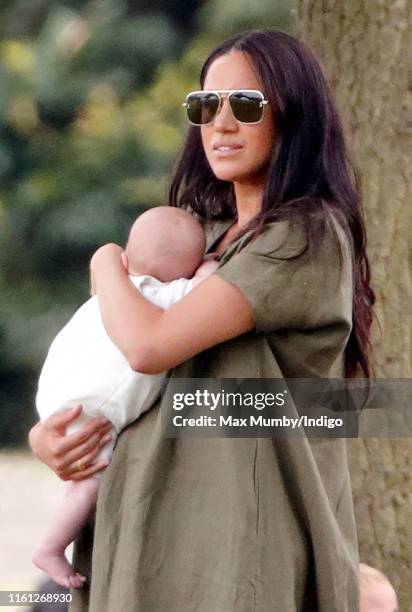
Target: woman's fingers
{"points": [[92, 469], [91, 446], [85, 460], [60, 420], [88, 459], [72, 469], [91, 432]]}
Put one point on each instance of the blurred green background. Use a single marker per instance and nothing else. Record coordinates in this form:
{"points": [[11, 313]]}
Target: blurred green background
{"points": [[90, 125]]}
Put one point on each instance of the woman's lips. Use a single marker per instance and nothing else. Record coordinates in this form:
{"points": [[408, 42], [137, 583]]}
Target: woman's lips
{"points": [[222, 149]]}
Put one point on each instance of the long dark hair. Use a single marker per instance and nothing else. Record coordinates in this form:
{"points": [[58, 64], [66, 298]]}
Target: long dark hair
{"points": [[309, 174]]}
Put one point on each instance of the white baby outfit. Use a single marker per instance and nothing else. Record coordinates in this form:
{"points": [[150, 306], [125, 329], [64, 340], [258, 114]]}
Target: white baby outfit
{"points": [[83, 366]]}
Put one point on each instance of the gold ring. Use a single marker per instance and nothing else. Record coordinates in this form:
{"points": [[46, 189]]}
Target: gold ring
{"points": [[80, 465]]}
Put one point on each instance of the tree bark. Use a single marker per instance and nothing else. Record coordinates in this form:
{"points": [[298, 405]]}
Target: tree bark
{"points": [[365, 46]]}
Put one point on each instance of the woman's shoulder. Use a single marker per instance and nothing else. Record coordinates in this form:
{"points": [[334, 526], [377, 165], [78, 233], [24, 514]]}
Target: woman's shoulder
{"points": [[313, 232], [286, 236]]}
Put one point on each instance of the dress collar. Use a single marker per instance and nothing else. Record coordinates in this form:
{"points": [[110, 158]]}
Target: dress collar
{"points": [[215, 231]]}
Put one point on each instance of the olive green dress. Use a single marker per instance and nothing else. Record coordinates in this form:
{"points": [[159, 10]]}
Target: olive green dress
{"points": [[230, 524]]}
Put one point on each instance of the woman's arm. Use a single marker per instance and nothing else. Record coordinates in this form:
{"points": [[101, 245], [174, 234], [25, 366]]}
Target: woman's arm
{"points": [[154, 340]]}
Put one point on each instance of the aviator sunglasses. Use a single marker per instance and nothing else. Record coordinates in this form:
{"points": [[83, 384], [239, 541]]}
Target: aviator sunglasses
{"points": [[247, 105]]}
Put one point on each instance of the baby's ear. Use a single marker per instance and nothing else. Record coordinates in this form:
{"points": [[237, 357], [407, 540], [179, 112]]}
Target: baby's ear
{"points": [[125, 260]]}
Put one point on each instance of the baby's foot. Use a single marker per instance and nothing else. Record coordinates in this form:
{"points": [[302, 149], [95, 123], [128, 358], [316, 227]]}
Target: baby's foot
{"points": [[58, 568]]}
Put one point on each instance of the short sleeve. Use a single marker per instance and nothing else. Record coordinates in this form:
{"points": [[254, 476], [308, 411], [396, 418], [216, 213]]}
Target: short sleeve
{"points": [[287, 288]]}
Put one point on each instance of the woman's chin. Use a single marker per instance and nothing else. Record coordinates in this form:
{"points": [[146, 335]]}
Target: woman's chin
{"points": [[229, 176], [237, 175]]}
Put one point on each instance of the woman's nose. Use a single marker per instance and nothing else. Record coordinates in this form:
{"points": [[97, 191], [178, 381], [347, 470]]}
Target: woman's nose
{"points": [[225, 119]]}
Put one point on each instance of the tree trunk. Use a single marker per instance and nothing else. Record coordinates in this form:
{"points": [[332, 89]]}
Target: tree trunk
{"points": [[364, 48]]}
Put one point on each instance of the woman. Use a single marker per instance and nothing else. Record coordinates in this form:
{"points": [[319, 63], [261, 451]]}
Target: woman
{"points": [[235, 525]]}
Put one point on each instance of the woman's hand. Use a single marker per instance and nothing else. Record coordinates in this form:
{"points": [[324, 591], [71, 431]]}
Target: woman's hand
{"points": [[106, 256], [61, 452]]}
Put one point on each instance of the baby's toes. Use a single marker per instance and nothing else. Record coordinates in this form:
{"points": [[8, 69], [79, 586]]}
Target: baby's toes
{"points": [[82, 579], [78, 580], [74, 584]]}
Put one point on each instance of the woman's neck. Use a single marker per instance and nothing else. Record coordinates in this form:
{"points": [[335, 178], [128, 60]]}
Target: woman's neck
{"points": [[248, 201]]}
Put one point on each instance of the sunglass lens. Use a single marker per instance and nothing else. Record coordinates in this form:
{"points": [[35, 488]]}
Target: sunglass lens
{"points": [[202, 107], [247, 106]]}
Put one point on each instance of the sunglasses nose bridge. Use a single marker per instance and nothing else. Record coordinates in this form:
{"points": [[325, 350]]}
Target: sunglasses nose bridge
{"points": [[225, 106], [219, 104]]}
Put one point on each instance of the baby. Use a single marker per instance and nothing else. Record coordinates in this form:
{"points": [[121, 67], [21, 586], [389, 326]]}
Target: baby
{"points": [[163, 256], [377, 593]]}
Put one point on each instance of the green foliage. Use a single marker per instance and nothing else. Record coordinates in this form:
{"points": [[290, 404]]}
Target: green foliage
{"points": [[90, 124], [221, 19]]}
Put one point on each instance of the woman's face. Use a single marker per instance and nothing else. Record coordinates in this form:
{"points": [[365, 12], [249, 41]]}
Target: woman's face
{"points": [[250, 145]]}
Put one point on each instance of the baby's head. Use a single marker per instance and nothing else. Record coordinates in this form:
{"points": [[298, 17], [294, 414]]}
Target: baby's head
{"points": [[377, 593], [165, 242]]}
